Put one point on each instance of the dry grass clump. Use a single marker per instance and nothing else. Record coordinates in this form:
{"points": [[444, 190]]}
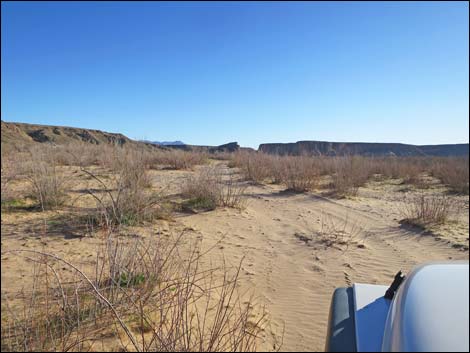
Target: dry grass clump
{"points": [[47, 183], [209, 189], [335, 233], [137, 296], [339, 233], [423, 210]]}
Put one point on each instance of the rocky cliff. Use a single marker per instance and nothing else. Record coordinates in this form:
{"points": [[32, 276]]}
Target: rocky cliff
{"points": [[20, 135], [323, 148]]}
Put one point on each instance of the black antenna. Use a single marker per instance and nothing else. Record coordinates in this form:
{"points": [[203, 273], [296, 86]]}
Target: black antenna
{"points": [[390, 293]]}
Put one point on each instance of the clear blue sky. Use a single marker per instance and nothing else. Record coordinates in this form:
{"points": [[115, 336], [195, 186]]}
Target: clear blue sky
{"points": [[210, 73]]}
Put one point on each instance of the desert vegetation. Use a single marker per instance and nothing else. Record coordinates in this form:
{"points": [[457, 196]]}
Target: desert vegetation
{"points": [[335, 233], [425, 210], [348, 173], [46, 181], [210, 189], [125, 199], [178, 159], [453, 172], [9, 173], [141, 283], [142, 296]]}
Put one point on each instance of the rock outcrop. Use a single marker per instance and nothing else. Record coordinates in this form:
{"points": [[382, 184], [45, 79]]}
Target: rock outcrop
{"points": [[323, 148]]}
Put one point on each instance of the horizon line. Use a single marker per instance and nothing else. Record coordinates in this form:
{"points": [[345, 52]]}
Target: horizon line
{"points": [[263, 143]]}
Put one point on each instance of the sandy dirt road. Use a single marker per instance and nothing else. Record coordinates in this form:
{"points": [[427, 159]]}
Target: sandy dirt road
{"points": [[294, 276]]}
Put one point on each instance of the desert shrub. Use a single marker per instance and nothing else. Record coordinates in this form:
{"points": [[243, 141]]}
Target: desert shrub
{"points": [[297, 173], [407, 170], [112, 157], [137, 295], [425, 209], [131, 166], [222, 156], [231, 192], [276, 168], [8, 174], [301, 173], [453, 172], [125, 199], [79, 153], [324, 165], [208, 190], [349, 174], [108, 156], [411, 170], [47, 183], [254, 166], [202, 190], [177, 159], [397, 167]]}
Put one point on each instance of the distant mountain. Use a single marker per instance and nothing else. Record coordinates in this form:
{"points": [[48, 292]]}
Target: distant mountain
{"points": [[227, 147], [324, 148], [166, 143], [445, 150], [20, 135]]}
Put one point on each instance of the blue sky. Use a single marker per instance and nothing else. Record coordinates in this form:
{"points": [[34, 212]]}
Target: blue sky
{"points": [[210, 73]]}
